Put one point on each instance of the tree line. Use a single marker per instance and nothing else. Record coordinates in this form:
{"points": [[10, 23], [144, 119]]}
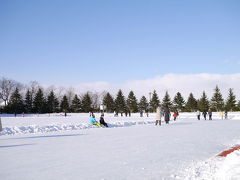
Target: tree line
{"points": [[36, 100]]}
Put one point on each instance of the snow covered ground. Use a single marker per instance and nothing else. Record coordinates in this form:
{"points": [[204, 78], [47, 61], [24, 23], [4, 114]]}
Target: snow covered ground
{"points": [[56, 147]]}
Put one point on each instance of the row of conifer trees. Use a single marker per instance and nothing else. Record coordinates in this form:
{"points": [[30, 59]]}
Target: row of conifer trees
{"points": [[40, 103]]}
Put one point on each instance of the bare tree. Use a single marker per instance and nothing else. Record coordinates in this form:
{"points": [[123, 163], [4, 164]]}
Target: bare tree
{"points": [[102, 95], [7, 86], [34, 86], [49, 89], [70, 94], [95, 100], [60, 92]]}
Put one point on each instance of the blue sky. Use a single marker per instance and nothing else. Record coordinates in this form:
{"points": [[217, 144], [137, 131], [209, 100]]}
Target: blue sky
{"points": [[70, 42]]}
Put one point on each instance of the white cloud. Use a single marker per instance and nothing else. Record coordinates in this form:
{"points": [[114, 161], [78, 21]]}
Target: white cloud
{"points": [[184, 83]]}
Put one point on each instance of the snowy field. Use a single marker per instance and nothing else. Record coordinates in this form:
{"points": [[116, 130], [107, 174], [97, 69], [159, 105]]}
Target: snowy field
{"points": [[43, 147]]}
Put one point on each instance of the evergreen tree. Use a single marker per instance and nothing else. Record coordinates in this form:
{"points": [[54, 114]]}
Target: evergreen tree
{"points": [[120, 103], [132, 103], [217, 102], [86, 103], [167, 100], [203, 103], [231, 101], [178, 101], [108, 101], [64, 104], [143, 105], [76, 104], [39, 102], [28, 102], [192, 104], [52, 103], [238, 105], [16, 102], [154, 102]]}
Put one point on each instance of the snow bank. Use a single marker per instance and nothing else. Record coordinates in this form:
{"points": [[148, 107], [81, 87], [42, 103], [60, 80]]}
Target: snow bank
{"points": [[235, 117], [63, 127], [217, 168]]}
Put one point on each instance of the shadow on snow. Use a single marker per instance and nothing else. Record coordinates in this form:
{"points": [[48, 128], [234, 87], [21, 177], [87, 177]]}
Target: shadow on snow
{"points": [[16, 145], [49, 136]]}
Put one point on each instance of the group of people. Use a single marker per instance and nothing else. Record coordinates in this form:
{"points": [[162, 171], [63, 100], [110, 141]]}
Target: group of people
{"points": [[127, 113], [209, 113], [161, 112], [204, 113], [164, 112], [101, 122], [142, 112]]}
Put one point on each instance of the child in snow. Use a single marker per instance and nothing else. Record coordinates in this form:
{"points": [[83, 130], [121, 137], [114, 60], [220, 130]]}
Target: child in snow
{"points": [[175, 116], [102, 122], [93, 121]]}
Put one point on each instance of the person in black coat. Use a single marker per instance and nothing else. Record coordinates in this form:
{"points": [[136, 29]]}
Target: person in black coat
{"points": [[210, 114], [102, 122], [226, 114], [205, 115], [167, 115]]}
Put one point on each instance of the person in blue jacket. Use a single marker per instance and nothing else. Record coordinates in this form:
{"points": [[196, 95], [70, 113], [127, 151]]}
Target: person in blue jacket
{"points": [[93, 121]]}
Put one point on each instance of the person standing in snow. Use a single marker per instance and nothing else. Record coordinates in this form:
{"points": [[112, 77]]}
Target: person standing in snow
{"points": [[115, 113], [126, 113], [222, 114], [141, 113], [226, 114], [210, 114], [102, 122], [93, 121], [198, 114], [167, 115], [90, 114], [175, 115], [147, 114], [162, 112], [205, 115], [158, 116]]}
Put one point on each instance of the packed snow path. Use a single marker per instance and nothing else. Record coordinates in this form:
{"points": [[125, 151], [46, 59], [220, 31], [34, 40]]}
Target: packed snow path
{"points": [[133, 152]]}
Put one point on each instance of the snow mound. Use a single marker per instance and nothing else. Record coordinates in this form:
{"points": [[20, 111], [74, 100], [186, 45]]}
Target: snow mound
{"points": [[216, 168], [235, 118], [63, 127]]}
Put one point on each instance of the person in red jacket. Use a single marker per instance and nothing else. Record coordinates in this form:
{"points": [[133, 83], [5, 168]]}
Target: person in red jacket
{"points": [[175, 115]]}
